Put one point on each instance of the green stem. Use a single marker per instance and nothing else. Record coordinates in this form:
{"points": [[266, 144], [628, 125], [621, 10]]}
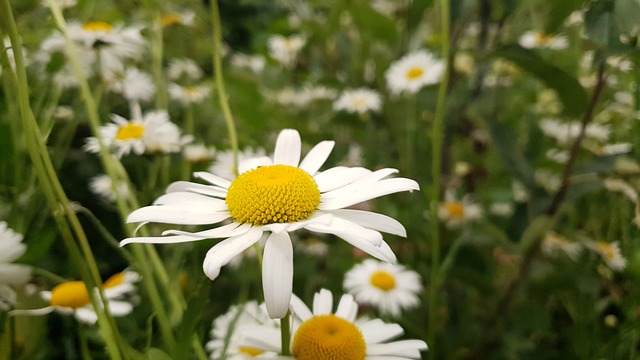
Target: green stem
{"points": [[219, 82], [285, 334], [156, 58], [437, 135]]}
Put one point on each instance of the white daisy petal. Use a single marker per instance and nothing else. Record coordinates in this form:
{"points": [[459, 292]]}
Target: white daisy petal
{"points": [[228, 230], [376, 331], [160, 239], [322, 302], [277, 274], [364, 193], [86, 315], [213, 179], [171, 215], [220, 255], [338, 176], [253, 163], [209, 190], [288, 148], [120, 308], [299, 309], [344, 228], [404, 348], [14, 274], [191, 201], [372, 221], [347, 308], [316, 157]]}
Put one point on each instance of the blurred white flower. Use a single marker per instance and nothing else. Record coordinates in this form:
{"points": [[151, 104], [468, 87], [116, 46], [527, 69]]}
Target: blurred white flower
{"points": [[184, 68], [285, 49], [184, 17], [188, 94], [456, 212], [536, 39], [504, 209], [64, 4], [611, 254], [566, 132], [11, 248], [621, 186], [102, 185], [133, 85], [198, 153], [554, 244], [358, 101], [414, 71], [255, 63]]}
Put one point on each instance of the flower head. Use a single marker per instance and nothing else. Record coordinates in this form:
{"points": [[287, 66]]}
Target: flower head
{"points": [[358, 101], [389, 288], [554, 244], [133, 85], [536, 39], [275, 196], [456, 212], [188, 94], [11, 248], [284, 49], [414, 71], [611, 254], [321, 334], [184, 68]]}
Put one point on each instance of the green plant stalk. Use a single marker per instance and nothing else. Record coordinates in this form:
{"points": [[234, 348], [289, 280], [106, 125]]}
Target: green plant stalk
{"points": [[117, 173], [219, 82], [285, 334], [437, 135], [66, 219], [157, 49]]}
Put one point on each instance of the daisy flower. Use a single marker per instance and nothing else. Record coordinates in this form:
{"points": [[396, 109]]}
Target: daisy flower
{"points": [[358, 101], [255, 63], [274, 197], [133, 85], [321, 334], [414, 71], [188, 94], [554, 244], [72, 298], [198, 153], [284, 49], [456, 212], [537, 39], [11, 248], [185, 18], [389, 288], [102, 185], [227, 333], [610, 253], [150, 133], [184, 68]]}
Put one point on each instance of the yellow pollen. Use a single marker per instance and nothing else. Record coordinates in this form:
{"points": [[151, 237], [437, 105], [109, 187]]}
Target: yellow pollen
{"points": [[114, 280], [542, 38], [273, 194], [383, 280], [606, 250], [170, 19], [455, 209], [250, 351], [414, 73], [130, 131], [328, 337], [358, 103], [97, 26], [71, 294]]}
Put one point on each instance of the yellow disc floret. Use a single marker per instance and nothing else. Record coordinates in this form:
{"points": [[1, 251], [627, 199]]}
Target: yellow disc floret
{"points": [[383, 280], [414, 73], [249, 351], [114, 280], [455, 209], [273, 194], [97, 26], [130, 131], [71, 294], [328, 337]]}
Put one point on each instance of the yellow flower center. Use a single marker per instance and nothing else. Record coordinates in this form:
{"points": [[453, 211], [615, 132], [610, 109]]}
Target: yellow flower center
{"points": [[250, 351], [114, 280], [273, 194], [606, 250], [542, 38], [455, 209], [383, 280], [358, 103], [130, 131], [97, 26], [71, 294], [328, 337], [414, 73], [170, 19]]}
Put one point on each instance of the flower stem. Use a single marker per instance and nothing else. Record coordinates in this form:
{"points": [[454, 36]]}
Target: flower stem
{"points": [[219, 82], [437, 134], [285, 334]]}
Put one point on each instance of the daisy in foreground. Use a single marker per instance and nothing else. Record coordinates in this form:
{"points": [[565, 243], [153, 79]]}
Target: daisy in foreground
{"points": [[389, 288], [278, 196], [320, 334]]}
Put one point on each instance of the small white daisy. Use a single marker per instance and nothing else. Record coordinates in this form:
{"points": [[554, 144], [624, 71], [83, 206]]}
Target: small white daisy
{"points": [[72, 298], [184, 17], [184, 69], [64, 4], [456, 212], [414, 71], [503, 208], [223, 165], [102, 185], [188, 94], [537, 39], [389, 288], [227, 333], [285, 49], [554, 244], [11, 248], [198, 153], [321, 334], [255, 63], [278, 196], [566, 132], [623, 187], [358, 101], [151, 133], [133, 85], [611, 254]]}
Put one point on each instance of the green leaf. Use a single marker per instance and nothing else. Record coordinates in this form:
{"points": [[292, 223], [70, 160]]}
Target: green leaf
{"points": [[157, 354], [597, 21], [570, 92], [627, 15]]}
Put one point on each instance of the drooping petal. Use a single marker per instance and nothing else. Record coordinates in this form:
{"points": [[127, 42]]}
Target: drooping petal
{"points": [[212, 179], [228, 230], [191, 201], [345, 228], [160, 239], [85, 315], [372, 221], [338, 176], [262, 337], [209, 190], [120, 308], [316, 157], [172, 215], [277, 274], [288, 148], [403, 349], [300, 309], [220, 255], [356, 194], [363, 181], [376, 331]]}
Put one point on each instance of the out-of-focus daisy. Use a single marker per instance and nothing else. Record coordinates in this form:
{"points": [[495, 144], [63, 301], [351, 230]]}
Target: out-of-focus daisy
{"points": [[278, 196], [623, 187], [223, 165], [537, 39], [358, 101], [547, 179], [113, 44], [255, 63], [502, 208], [389, 288], [64, 4], [414, 71], [610, 149], [456, 212], [611, 254], [184, 17], [520, 192], [301, 97], [554, 244], [150, 133], [184, 69], [133, 85], [321, 334], [72, 298], [102, 185], [313, 246], [188, 94], [198, 153], [11, 248], [285, 49], [227, 333], [566, 132]]}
